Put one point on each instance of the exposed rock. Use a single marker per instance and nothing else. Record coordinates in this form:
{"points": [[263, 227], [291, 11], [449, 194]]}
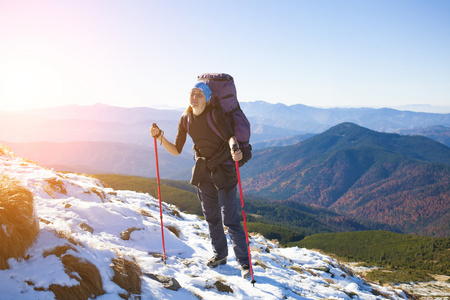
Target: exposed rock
{"points": [[86, 227], [168, 282], [126, 234]]}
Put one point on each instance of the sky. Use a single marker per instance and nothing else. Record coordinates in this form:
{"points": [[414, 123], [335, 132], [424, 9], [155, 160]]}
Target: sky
{"points": [[323, 53]]}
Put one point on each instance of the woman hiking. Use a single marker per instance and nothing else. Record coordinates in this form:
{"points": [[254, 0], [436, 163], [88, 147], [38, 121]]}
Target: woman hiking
{"points": [[214, 173]]}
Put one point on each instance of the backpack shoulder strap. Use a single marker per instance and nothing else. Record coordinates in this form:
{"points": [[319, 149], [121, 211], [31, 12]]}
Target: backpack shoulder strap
{"points": [[186, 120], [211, 119]]}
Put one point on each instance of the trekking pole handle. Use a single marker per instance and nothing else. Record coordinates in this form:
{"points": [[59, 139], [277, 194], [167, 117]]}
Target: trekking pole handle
{"points": [[159, 133], [235, 147]]}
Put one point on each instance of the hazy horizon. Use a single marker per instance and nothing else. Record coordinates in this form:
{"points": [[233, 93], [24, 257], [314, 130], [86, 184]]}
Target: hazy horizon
{"points": [[426, 108]]}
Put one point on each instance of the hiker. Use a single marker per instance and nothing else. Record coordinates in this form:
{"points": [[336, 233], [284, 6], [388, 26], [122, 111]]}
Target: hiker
{"points": [[214, 173]]}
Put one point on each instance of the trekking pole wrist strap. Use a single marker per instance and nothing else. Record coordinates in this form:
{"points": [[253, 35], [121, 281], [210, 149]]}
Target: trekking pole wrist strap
{"points": [[159, 134]]}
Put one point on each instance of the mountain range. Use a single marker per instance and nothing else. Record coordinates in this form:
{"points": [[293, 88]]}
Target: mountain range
{"points": [[400, 183], [306, 119], [105, 127], [438, 133], [101, 122]]}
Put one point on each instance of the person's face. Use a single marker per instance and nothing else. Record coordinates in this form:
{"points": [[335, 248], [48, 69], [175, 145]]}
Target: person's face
{"points": [[198, 99]]}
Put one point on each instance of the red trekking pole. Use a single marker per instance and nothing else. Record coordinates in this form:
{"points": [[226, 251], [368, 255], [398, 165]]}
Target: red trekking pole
{"points": [[159, 196], [235, 148]]}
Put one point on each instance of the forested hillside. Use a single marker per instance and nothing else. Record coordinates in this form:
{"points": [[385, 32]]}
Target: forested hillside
{"points": [[384, 181], [417, 255]]}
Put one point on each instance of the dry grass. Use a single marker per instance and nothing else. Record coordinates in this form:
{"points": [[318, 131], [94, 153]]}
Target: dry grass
{"points": [[19, 225], [88, 276], [99, 193], [174, 212], [86, 227], [297, 269], [59, 250], [346, 270], [68, 236], [311, 272], [220, 286], [4, 150], [127, 275], [261, 264], [54, 185], [174, 230], [28, 161], [146, 213], [90, 282]]}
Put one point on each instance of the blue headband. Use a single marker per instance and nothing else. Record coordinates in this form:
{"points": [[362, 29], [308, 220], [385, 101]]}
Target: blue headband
{"points": [[205, 88]]}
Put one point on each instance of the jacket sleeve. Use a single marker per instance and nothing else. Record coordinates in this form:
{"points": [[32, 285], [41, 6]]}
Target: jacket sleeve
{"points": [[180, 138]]}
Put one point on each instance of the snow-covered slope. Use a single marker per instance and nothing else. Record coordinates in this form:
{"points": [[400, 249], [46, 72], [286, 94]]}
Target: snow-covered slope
{"points": [[81, 218]]}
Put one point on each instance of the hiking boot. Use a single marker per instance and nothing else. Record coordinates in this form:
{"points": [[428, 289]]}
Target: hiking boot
{"points": [[215, 261], [245, 271]]}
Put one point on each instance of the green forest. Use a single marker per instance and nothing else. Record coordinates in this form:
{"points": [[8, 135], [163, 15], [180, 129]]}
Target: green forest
{"points": [[412, 257]]}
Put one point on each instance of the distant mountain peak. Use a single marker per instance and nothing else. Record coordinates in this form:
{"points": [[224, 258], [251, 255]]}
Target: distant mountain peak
{"points": [[346, 127]]}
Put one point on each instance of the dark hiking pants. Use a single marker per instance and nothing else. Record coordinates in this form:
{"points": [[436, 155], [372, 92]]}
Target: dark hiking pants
{"points": [[218, 206]]}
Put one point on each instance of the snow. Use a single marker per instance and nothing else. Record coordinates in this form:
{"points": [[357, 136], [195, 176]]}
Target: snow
{"points": [[64, 203]]}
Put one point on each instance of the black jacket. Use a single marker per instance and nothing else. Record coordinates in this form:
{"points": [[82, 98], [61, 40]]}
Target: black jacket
{"points": [[223, 171], [212, 153]]}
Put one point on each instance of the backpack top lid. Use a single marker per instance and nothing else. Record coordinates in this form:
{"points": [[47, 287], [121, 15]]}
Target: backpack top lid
{"points": [[223, 90]]}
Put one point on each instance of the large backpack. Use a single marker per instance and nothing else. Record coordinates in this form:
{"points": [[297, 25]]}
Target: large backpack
{"points": [[224, 98]]}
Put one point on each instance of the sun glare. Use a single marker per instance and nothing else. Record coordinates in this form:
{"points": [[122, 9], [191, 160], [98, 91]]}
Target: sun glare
{"points": [[28, 81]]}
